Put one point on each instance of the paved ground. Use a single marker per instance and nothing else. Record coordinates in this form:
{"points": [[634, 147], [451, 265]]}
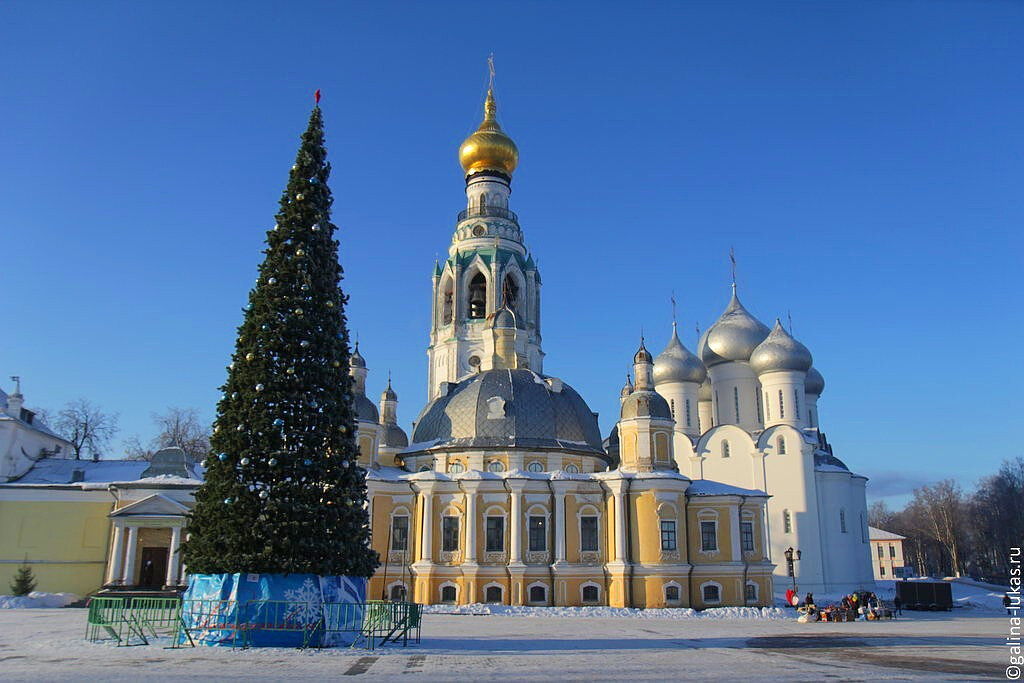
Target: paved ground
{"points": [[42, 645]]}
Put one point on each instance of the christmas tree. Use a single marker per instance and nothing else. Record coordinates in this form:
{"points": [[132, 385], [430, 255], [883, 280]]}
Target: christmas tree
{"points": [[282, 491], [24, 581]]}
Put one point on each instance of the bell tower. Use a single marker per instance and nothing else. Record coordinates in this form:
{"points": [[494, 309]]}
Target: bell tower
{"points": [[488, 266]]}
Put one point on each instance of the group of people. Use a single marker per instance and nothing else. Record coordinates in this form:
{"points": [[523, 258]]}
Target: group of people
{"points": [[850, 608]]}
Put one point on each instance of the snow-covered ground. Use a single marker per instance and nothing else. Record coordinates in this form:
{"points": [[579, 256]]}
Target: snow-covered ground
{"points": [[48, 644], [966, 593], [37, 599]]}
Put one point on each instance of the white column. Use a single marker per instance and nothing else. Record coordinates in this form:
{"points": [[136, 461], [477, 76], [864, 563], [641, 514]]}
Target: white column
{"points": [[516, 531], [428, 525], [560, 491], [620, 525], [471, 523], [173, 555], [128, 579], [117, 557]]}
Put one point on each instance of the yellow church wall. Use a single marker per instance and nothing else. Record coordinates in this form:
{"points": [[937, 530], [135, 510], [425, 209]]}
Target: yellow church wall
{"points": [[718, 512], [65, 542]]}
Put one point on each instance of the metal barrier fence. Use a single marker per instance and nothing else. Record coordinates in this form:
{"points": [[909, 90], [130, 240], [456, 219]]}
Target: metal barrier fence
{"points": [[226, 622]]}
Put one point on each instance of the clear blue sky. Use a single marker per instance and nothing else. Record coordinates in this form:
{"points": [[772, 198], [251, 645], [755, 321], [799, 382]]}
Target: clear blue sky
{"points": [[865, 160]]}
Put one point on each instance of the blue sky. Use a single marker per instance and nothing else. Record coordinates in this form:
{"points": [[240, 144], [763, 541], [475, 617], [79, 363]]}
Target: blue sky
{"points": [[864, 159]]}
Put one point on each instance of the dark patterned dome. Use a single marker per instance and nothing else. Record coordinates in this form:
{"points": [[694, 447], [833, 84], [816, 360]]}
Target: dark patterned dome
{"points": [[508, 409], [365, 410]]}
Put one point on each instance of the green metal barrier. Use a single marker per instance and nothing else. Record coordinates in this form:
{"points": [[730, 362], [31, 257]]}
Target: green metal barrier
{"points": [[109, 619], [281, 615], [158, 616], [210, 615]]}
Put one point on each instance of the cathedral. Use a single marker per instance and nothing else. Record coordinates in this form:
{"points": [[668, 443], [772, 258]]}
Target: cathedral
{"points": [[506, 491], [715, 472]]}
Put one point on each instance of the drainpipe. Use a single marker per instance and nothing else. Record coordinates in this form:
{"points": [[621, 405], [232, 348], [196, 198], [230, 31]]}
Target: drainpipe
{"points": [[552, 534], [743, 556], [686, 530]]}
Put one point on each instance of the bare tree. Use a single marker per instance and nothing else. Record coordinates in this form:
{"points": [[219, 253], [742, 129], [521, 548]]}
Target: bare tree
{"points": [[88, 428], [940, 512], [880, 516], [177, 427]]}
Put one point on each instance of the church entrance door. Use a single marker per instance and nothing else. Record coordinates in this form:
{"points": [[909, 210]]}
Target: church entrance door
{"points": [[154, 568]]}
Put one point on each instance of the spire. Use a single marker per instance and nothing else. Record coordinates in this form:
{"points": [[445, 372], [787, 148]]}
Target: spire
{"points": [[489, 148], [732, 258]]}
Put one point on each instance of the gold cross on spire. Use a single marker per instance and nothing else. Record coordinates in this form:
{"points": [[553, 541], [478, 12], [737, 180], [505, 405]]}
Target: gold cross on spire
{"points": [[490, 68]]}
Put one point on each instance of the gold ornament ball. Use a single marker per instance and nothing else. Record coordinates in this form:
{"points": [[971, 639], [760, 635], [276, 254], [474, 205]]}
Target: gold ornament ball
{"points": [[299, 197], [330, 304], [300, 252], [336, 364], [250, 356], [298, 311], [290, 371]]}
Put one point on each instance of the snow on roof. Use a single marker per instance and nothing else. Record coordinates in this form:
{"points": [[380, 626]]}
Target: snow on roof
{"points": [[50, 471], [706, 487], [876, 534]]}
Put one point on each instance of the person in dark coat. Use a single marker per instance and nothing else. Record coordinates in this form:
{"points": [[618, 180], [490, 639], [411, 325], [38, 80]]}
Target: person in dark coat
{"points": [[809, 600], [897, 605]]}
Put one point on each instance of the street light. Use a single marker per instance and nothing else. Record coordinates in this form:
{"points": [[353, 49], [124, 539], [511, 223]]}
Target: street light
{"points": [[791, 557]]}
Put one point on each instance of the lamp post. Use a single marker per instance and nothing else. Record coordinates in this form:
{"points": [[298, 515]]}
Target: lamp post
{"points": [[791, 557]]}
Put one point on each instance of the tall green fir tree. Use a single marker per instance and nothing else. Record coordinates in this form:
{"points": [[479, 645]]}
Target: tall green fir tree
{"points": [[282, 492]]}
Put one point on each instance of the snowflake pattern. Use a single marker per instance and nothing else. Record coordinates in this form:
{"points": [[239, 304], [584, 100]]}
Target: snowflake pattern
{"points": [[305, 607]]}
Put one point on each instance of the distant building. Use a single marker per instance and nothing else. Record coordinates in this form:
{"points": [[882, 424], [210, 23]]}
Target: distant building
{"points": [[887, 555], [24, 437]]}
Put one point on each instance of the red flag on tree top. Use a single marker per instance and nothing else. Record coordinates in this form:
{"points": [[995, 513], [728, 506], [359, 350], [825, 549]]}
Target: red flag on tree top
{"points": [[316, 96]]}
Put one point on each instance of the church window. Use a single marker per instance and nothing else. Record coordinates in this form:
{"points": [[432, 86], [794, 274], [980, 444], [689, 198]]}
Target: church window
{"points": [[448, 594], [538, 533], [398, 592], [725, 449], [535, 466], [782, 407], [572, 469], [810, 418], [479, 230], [591, 594], [709, 536], [449, 534], [495, 466], [711, 593], [588, 534], [474, 362], [400, 532], [689, 418], [787, 522], [446, 305], [767, 406], [668, 534], [760, 409], [672, 407], [538, 594], [796, 403], [718, 409], [456, 468], [747, 536], [510, 293], [671, 593], [495, 534], [736, 402], [493, 594], [478, 297], [750, 592], [781, 445], [842, 521]]}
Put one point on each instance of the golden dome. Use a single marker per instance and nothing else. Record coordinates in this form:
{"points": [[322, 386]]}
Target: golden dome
{"points": [[489, 149]]}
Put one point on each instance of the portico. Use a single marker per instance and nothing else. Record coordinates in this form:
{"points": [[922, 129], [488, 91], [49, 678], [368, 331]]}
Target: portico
{"points": [[146, 546]]}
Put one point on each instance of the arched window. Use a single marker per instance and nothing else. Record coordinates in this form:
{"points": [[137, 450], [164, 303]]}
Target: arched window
{"points": [[796, 403], [842, 521], [510, 293], [780, 445], [495, 466], [726, 452], [712, 593], [782, 407], [478, 297], [447, 301], [591, 593], [760, 409], [572, 469], [736, 402], [689, 418], [672, 407], [535, 466], [671, 593], [456, 468], [538, 594], [750, 593], [787, 522], [449, 593], [767, 406], [493, 594]]}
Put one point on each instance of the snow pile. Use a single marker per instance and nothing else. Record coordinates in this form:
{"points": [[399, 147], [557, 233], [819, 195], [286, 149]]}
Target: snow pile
{"points": [[613, 612], [37, 599]]}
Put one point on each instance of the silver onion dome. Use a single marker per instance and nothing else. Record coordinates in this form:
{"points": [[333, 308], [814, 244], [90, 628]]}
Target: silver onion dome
{"points": [[704, 391], [356, 360], [814, 383], [645, 403], [677, 364], [780, 351], [733, 337]]}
